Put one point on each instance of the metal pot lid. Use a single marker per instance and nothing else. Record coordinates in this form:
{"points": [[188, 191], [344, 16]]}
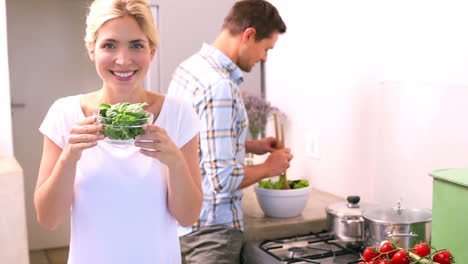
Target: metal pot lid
{"points": [[398, 215], [349, 208]]}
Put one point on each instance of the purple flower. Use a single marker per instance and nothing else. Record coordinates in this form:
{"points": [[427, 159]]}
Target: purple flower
{"points": [[258, 111]]}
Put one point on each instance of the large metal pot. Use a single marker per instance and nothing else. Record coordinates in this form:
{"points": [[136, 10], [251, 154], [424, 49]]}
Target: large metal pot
{"points": [[344, 220], [403, 227]]}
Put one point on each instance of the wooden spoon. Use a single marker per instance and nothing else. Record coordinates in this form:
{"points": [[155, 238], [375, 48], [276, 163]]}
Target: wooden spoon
{"points": [[279, 145]]}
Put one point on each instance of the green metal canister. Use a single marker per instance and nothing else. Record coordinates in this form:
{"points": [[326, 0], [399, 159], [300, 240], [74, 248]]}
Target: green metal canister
{"points": [[450, 212]]}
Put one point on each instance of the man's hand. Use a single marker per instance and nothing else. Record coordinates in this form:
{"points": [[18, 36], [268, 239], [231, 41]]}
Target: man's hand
{"points": [[278, 161], [261, 146]]}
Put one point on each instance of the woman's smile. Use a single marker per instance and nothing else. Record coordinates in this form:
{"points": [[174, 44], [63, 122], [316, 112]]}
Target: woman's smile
{"points": [[124, 75]]}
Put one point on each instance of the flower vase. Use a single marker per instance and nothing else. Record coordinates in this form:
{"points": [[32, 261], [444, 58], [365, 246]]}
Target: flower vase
{"points": [[249, 159]]}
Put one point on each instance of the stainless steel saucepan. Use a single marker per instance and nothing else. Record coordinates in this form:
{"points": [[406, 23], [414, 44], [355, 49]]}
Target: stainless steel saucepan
{"points": [[403, 227], [344, 219]]}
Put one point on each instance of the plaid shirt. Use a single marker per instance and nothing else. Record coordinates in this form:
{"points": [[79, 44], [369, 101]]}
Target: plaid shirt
{"points": [[209, 80]]}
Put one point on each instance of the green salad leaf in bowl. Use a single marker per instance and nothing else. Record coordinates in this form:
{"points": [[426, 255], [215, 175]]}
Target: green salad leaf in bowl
{"points": [[123, 121], [293, 184]]}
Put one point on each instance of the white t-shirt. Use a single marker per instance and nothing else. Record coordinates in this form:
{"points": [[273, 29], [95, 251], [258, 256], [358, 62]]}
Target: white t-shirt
{"points": [[119, 210]]}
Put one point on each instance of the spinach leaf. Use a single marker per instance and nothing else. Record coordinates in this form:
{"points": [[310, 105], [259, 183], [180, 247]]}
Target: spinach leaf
{"points": [[295, 184], [123, 120]]}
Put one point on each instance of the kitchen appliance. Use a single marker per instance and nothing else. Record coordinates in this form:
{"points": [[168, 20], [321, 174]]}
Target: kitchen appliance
{"points": [[450, 211], [404, 227], [344, 219], [316, 247]]}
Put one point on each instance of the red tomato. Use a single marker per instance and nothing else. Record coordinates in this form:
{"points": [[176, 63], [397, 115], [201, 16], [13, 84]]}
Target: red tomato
{"points": [[387, 247], [369, 253], [443, 257], [421, 249], [362, 262], [400, 257], [383, 261]]}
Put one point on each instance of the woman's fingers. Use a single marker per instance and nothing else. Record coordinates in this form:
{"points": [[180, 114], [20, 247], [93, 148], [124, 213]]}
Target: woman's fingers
{"points": [[86, 126], [86, 121], [153, 133], [85, 145], [147, 144], [86, 129], [80, 138], [153, 129], [147, 137]]}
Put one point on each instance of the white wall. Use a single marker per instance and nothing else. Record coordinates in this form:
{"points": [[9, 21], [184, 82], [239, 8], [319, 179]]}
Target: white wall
{"points": [[6, 143], [184, 26], [381, 86]]}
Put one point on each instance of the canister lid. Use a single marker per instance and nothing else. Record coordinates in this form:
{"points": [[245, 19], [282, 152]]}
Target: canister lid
{"points": [[349, 208], [457, 176], [398, 216]]}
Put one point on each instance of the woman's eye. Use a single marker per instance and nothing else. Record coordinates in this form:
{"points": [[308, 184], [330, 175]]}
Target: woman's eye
{"points": [[108, 46], [136, 46]]}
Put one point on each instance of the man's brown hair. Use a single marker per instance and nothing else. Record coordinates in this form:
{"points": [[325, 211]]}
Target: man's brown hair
{"points": [[258, 14]]}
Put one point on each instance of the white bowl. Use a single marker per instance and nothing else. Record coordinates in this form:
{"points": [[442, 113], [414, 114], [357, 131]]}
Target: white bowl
{"points": [[282, 203]]}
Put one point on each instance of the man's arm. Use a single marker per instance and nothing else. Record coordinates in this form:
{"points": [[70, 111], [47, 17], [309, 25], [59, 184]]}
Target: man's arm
{"points": [[260, 146], [219, 145], [274, 165]]}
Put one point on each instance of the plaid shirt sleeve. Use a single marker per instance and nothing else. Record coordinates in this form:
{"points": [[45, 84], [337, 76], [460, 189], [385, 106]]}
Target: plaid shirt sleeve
{"points": [[217, 108]]}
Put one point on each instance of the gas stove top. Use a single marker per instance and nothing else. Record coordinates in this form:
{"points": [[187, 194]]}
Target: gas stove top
{"points": [[320, 247]]}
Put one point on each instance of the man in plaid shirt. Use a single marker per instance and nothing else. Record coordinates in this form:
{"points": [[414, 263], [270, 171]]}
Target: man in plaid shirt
{"points": [[209, 80]]}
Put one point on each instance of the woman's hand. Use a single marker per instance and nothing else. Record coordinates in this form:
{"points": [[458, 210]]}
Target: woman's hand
{"points": [[83, 135], [157, 144]]}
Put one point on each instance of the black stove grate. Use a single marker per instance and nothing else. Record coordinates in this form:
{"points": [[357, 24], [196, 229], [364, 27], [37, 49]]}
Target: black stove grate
{"points": [[322, 243]]}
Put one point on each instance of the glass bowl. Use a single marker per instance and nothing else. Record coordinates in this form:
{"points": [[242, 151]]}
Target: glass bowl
{"points": [[123, 131]]}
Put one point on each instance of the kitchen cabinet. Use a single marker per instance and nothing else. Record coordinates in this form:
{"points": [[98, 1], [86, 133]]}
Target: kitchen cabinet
{"points": [[450, 211]]}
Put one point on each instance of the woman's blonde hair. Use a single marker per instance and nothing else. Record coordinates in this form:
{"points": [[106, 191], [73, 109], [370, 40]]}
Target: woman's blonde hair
{"points": [[102, 11]]}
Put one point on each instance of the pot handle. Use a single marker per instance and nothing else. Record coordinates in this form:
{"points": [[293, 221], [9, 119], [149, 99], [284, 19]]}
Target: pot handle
{"points": [[352, 221], [410, 234]]}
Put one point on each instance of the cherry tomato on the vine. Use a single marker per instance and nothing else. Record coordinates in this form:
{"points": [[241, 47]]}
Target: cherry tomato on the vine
{"points": [[400, 257], [443, 257], [387, 247], [421, 249], [383, 261], [370, 253]]}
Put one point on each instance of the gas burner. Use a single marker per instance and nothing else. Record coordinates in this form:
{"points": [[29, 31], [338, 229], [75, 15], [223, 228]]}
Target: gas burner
{"points": [[295, 252], [320, 247]]}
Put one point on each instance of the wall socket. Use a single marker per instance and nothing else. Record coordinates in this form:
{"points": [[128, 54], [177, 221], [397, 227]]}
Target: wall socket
{"points": [[312, 147]]}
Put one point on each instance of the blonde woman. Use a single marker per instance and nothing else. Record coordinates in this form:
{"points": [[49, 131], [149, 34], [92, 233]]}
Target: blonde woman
{"points": [[125, 202]]}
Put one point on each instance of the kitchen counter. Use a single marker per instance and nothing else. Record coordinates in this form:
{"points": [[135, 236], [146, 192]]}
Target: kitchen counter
{"points": [[260, 227]]}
